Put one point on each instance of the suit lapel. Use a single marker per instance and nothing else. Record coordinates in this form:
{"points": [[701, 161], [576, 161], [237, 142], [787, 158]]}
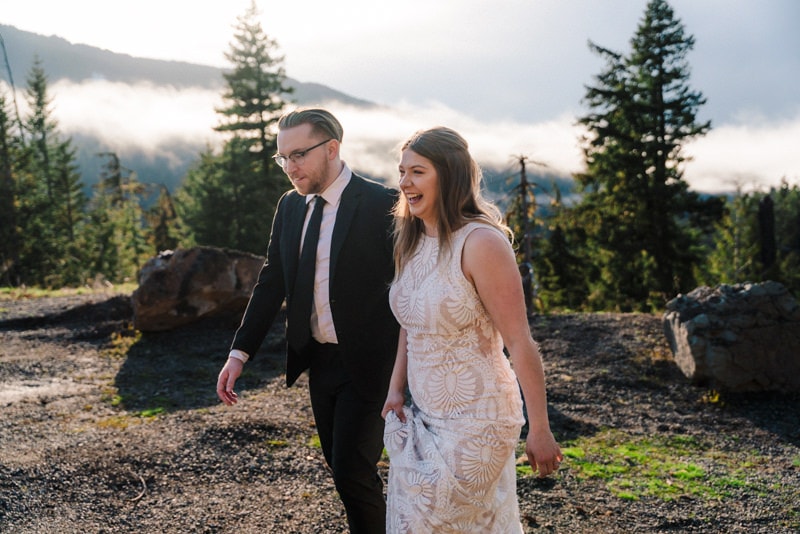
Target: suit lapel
{"points": [[294, 231], [348, 205]]}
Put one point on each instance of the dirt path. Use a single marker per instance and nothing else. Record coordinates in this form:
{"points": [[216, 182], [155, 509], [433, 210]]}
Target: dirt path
{"points": [[106, 430]]}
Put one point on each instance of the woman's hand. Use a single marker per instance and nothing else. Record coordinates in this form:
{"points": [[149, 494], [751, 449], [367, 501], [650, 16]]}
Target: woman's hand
{"points": [[394, 403], [543, 452]]}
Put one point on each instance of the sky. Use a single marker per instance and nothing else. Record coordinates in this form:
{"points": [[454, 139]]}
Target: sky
{"points": [[509, 75]]}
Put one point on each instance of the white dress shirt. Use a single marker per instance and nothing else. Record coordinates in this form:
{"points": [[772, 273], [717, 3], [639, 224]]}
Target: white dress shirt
{"points": [[322, 327]]}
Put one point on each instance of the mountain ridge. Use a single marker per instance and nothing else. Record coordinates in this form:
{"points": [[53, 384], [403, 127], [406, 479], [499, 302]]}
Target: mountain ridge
{"points": [[78, 63], [64, 60]]}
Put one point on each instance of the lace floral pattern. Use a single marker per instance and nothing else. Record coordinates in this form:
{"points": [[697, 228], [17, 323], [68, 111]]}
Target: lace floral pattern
{"points": [[452, 464]]}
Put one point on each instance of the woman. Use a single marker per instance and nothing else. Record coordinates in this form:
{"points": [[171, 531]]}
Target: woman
{"points": [[458, 297]]}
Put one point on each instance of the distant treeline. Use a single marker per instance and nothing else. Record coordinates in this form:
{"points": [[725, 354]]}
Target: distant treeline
{"points": [[627, 234]]}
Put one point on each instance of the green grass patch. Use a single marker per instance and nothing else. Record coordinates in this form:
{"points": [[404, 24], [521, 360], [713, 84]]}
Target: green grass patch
{"points": [[524, 470], [573, 452], [661, 466], [151, 412], [313, 441]]}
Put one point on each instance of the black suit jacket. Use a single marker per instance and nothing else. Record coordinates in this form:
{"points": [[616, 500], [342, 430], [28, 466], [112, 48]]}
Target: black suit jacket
{"points": [[362, 267]]}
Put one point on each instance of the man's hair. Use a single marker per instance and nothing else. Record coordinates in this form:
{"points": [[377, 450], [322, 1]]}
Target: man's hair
{"points": [[321, 121]]}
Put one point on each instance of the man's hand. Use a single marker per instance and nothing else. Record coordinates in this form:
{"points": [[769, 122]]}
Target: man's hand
{"points": [[227, 379]]}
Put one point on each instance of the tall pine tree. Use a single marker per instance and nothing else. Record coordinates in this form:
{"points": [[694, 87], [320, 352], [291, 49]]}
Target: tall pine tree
{"points": [[255, 88], [228, 199], [49, 195], [636, 209]]}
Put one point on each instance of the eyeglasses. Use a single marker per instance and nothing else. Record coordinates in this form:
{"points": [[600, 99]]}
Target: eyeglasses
{"points": [[296, 157]]}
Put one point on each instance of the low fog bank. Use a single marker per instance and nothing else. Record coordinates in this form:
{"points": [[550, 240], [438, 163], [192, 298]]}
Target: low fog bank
{"points": [[164, 128]]}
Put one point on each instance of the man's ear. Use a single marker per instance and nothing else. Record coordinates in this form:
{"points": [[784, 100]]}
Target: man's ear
{"points": [[333, 149]]}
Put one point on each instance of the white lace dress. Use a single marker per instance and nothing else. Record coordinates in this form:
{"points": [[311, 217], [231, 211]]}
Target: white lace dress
{"points": [[452, 465]]}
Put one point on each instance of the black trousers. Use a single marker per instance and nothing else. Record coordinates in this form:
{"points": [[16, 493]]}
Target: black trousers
{"points": [[351, 434]]}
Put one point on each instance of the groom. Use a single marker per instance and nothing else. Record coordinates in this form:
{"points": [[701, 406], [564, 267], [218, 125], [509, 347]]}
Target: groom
{"points": [[348, 338]]}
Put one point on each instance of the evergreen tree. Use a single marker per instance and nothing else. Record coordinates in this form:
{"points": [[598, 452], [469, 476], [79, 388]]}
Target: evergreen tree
{"points": [[255, 89], [737, 252], [49, 197], [9, 236], [51, 235], [33, 186], [116, 231], [69, 213], [787, 233], [636, 209], [560, 272], [223, 203], [41, 126], [229, 199], [732, 252], [164, 223]]}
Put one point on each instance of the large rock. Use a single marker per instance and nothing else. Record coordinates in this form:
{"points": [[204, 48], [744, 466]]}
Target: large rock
{"points": [[180, 287], [743, 337]]}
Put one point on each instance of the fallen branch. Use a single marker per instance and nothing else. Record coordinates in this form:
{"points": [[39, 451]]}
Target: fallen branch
{"points": [[144, 487]]}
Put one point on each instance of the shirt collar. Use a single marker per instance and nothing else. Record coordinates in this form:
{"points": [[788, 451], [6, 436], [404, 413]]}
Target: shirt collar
{"points": [[333, 193]]}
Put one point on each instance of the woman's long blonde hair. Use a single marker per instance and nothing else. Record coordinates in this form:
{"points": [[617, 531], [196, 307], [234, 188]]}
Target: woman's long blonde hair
{"points": [[460, 199]]}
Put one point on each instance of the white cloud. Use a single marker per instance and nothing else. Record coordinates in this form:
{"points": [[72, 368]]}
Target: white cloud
{"points": [[145, 115], [372, 138], [752, 154]]}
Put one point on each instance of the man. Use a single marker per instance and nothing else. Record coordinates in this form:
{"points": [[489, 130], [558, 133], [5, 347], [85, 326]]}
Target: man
{"points": [[348, 338]]}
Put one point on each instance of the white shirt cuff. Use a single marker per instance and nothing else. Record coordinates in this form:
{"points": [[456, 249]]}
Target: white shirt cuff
{"points": [[239, 355]]}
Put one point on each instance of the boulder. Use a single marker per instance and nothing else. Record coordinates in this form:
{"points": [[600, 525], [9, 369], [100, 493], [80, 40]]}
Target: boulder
{"points": [[180, 287], [743, 337]]}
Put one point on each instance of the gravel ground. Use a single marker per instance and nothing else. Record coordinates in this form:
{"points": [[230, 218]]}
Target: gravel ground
{"points": [[107, 430]]}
